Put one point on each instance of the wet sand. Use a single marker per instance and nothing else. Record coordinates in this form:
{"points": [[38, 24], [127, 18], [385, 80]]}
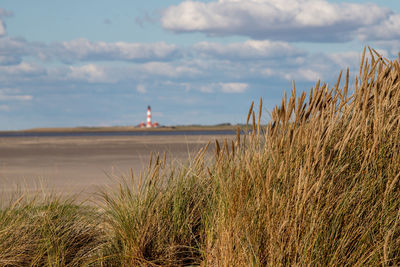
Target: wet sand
{"points": [[83, 164]]}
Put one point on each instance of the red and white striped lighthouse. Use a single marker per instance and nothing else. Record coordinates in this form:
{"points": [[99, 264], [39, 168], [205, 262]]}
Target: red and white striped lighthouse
{"points": [[149, 125]]}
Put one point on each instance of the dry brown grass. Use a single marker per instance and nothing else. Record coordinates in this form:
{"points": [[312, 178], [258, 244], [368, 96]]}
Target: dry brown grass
{"points": [[321, 186]]}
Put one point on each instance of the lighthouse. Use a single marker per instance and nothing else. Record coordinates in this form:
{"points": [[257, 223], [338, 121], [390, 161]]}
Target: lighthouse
{"points": [[148, 124]]}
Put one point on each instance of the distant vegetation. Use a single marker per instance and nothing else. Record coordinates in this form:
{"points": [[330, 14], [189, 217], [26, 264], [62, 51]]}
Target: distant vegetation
{"points": [[318, 185], [195, 127]]}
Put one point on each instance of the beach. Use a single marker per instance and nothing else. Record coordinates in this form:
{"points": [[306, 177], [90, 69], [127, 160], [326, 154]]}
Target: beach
{"points": [[70, 165]]}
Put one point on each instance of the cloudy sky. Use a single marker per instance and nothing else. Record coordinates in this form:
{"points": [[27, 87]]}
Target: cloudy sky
{"points": [[100, 63]]}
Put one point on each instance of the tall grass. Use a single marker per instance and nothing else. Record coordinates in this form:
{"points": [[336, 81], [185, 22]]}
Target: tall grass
{"points": [[159, 219], [49, 232], [321, 185], [318, 185]]}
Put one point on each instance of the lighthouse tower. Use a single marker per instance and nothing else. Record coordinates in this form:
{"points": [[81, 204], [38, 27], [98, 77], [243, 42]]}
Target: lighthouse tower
{"points": [[148, 124]]}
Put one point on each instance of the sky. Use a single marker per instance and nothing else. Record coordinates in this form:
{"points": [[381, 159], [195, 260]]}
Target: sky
{"points": [[100, 63]]}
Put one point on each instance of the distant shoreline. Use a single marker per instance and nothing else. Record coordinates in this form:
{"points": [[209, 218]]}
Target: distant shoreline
{"points": [[126, 129]]}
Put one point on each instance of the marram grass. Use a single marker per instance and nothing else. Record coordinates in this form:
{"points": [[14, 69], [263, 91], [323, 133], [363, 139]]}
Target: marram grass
{"points": [[318, 185], [49, 232]]}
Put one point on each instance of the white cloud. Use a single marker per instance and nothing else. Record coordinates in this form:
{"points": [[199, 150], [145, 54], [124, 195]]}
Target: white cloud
{"points": [[22, 69], [208, 88], [231, 88], [304, 74], [167, 69], [85, 50], [388, 29], [345, 59], [9, 94], [9, 90], [12, 50], [15, 97], [234, 87], [251, 49], [267, 72], [12, 45], [288, 20], [209, 67], [183, 85], [90, 72], [141, 88]]}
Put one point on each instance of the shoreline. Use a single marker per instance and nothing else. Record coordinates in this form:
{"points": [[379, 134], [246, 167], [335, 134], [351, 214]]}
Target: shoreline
{"points": [[111, 129]]}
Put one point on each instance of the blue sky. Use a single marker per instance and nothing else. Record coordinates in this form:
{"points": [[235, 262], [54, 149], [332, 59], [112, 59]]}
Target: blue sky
{"points": [[100, 63]]}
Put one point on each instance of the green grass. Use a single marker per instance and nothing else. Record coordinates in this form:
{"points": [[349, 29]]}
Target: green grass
{"points": [[318, 185]]}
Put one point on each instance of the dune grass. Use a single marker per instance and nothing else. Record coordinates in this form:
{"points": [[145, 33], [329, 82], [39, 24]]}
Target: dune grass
{"points": [[49, 232], [318, 185], [321, 185], [159, 219]]}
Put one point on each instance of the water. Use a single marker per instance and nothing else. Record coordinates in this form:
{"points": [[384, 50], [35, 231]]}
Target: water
{"points": [[133, 133]]}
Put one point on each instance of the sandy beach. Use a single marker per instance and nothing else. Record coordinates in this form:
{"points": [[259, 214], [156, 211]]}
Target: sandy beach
{"points": [[83, 164]]}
